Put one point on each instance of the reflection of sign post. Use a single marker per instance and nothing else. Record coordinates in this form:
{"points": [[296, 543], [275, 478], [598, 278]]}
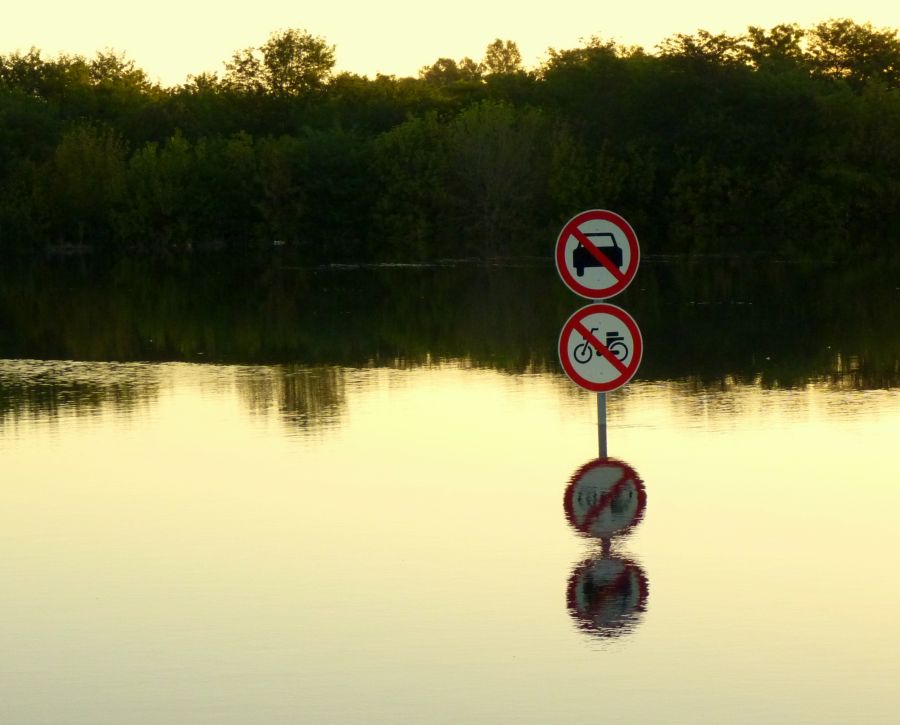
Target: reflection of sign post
{"points": [[597, 254], [600, 347], [605, 498], [606, 595]]}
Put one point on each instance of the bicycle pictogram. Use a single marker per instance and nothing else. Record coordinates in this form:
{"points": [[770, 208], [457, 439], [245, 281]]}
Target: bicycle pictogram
{"points": [[615, 343], [600, 347]]}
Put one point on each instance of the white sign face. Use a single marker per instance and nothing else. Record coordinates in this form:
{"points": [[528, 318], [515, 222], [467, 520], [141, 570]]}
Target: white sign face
{"points": [[600, 347], [597, 254]]}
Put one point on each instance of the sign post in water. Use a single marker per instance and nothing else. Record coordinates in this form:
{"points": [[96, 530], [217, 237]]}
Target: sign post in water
{"points": [[600, 346]]}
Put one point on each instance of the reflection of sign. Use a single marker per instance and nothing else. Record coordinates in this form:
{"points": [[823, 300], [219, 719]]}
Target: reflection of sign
{"points": [[597, 254], [605, 498], [600, 347], [606, 595]]}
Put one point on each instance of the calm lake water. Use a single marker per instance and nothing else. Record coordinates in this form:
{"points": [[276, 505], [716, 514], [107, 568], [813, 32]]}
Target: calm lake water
{"points": [[351, 496]]}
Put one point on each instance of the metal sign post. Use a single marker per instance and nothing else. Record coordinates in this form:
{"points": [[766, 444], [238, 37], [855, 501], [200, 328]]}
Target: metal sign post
{"points": [[601, 423]]}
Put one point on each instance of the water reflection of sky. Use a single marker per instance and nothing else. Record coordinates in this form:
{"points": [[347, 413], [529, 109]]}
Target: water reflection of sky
{"points": [[336, 545]]}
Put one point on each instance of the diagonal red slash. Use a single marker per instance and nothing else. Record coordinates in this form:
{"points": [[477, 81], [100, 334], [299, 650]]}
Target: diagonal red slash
{"points": [[597, 254], [600, 347], [605, 500]]}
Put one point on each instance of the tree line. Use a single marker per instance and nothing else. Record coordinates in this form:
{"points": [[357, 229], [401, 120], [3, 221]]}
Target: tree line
{"points": [[779, 142]]}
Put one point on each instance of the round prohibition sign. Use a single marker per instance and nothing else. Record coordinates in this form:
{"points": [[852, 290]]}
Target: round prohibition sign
{"points": [[605, 498], [600, 347], [597, 254]]}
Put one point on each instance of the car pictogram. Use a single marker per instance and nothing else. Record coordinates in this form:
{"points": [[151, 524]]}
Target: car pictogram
{"points": [[582, 258]]}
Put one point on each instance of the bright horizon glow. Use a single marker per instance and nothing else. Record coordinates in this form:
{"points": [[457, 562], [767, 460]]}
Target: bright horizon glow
{"points": [[171, 40]]}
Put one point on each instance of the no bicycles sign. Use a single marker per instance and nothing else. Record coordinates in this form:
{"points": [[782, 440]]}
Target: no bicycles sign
{"points": [[597, 254], [600, 347]]}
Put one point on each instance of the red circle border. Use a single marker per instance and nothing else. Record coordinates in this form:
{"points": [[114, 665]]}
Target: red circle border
{"points": [[637, 353], [560, 254]]}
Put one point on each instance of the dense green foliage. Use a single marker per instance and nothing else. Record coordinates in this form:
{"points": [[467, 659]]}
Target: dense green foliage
{"points": [[782, 142]]}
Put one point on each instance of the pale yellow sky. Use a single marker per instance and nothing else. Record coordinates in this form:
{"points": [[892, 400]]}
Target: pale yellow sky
{"points": [[170, 39]]}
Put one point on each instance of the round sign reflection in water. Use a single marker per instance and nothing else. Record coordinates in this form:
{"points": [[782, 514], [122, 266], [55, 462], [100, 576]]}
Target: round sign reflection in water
{"points": [[604, 498], [607, 595]]}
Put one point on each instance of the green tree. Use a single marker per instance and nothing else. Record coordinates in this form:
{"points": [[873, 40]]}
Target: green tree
{"points": [[446, 70], [112, 67], [775, 49], [47, 79], [161, 194], [497, 167], [714, 48], [283, 167], [227, 189], [83, 185], [703, 199], [410, 163], [859, 53], [23, 227], [290, 62], [502, 57]]}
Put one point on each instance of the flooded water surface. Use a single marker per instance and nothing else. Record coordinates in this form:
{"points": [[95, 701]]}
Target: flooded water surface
{"points": [[387, 507]]}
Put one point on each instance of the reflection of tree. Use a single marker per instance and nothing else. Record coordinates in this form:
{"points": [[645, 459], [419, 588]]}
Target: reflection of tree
{"points": [[36, 389], [714, 323], [734, 321], [308, 397]]}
